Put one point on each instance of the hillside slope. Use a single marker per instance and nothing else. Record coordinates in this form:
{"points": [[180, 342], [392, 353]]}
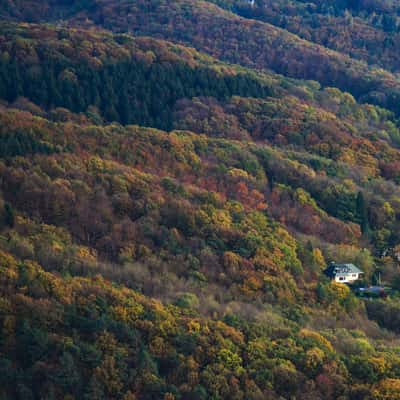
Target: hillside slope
{"points": [[166, 217], [238, 40], [155, 83], [199, 236], [365, 30]]}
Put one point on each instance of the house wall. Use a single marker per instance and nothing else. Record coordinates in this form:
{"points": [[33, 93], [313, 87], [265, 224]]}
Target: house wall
{"points": [[346, 278]]}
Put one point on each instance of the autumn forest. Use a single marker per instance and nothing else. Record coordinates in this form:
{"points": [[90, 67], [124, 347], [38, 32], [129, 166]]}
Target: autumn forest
{"points": [[176, 176]]}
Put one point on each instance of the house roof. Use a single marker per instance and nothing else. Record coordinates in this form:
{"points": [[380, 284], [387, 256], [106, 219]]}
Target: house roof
{"points": [[372, 289], [341, 269]]}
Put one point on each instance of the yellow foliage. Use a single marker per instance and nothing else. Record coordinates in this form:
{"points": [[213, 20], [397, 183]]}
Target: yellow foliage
{"points": [[128, 314], [388, 211], [387, 389], [234, 207], [203, 218], [230, 360], [83, 253], [168, 327], [379, 364], [339, 290], [349, 185], [314, 358], [303, 197], [319, 258], [221, 218], [193, 326], [7, 261], [238, 173], [231, 261], [95, 164], [316, 338]]}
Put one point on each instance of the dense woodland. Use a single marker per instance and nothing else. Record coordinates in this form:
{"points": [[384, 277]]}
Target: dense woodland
{"points": [[124, 82], [365, 30], [166, 217], [255, 44]]}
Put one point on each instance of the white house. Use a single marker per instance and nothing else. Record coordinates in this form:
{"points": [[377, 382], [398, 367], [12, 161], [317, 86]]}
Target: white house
{"points": [[343, 273], [251, 2]]}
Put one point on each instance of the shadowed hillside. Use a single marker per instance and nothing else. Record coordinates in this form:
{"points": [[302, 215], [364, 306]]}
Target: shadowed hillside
{"points": [[171, 193], [238, 40]]}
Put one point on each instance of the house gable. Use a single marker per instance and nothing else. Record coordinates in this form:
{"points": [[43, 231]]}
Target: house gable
{"points": [[344, 273]]}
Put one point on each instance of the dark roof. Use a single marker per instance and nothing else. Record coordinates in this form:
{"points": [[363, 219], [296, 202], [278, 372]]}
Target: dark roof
{"points": [[341, 269], [372, 289]]}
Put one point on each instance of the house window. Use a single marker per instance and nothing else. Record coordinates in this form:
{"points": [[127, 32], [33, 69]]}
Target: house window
{"points": [[354, 275], [341, 278]]}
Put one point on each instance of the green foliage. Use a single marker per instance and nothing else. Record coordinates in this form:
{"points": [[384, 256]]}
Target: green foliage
{"points": [[9, 215], [362, 213], [133, 90], [22, 143], [188, 264]]}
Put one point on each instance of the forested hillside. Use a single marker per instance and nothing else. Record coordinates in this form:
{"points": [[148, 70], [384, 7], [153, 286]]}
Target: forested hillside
{"points": [[172, 189], [193, 222], [366, 30], [243, 41]]}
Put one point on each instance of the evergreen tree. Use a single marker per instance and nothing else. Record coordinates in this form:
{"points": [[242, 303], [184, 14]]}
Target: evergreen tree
{"points": [[94, 390], [50, 393], [9, 215], [66, 375], [15, 82], [362, 213], [24, 392]]}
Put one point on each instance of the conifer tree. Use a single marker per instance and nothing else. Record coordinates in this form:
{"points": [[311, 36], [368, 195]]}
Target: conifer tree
{"points": [[362, 213]]}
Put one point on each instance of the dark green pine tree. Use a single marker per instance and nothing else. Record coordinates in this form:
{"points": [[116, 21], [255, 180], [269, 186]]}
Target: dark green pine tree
{"points": [[146, 361], [54, 98], [24, 392], [12, 147], [345, 207], [124, 107], [9, 215], [66, 376], [49, 393], [3, 79], [362, 213], [94, 390], [14, 82]]}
